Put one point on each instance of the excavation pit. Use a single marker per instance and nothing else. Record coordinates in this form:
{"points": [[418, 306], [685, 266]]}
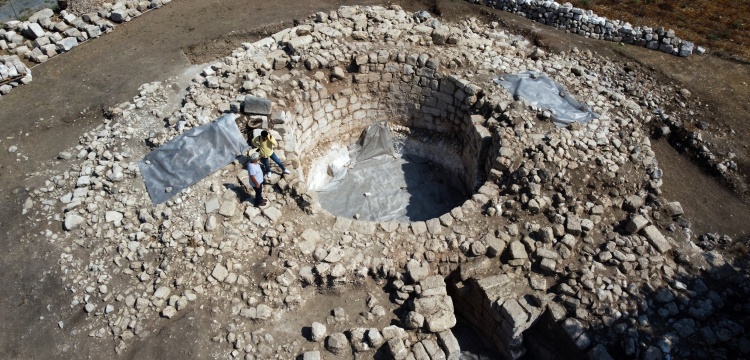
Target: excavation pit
{"points": [[391, 151], [383, 177]]}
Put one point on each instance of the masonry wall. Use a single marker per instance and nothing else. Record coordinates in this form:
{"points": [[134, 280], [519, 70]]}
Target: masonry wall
{"points": [[404, 93], [586, 23]]}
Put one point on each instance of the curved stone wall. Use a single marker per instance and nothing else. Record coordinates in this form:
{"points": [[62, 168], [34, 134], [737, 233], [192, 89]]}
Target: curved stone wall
{"points": [[405, 92]]}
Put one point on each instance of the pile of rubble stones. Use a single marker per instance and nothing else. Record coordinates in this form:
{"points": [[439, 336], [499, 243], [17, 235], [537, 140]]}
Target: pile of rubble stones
{"points": [[13, 72], [45, 34], [570, 229]]}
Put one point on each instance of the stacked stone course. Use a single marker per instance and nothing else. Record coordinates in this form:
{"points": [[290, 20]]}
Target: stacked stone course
{"points": [[586, 23]]}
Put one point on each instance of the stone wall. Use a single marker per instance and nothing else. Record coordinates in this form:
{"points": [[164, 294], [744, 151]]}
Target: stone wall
{"points": [[586, 23], [406, 91], [46, 34]]}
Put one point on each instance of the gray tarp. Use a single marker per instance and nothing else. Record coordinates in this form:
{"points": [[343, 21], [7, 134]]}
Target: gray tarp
{"points": [[377, 183], [190, 157], [541, 91]]}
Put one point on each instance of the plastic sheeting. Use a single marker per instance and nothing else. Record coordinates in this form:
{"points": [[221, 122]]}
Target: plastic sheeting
{"points": [[543, 92], [190, 157], [372, 180]]}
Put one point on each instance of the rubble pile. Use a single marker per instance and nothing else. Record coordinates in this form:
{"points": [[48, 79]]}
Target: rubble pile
{"points": [[566, 227], [45, 35], [13, 72]]}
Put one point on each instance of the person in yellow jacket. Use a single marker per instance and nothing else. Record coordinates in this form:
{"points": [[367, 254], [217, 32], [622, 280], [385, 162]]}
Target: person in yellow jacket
{"points": [[265, 143]]}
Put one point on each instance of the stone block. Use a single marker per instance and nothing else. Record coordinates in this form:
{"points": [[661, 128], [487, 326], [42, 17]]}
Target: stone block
{"points": [[656, 239], [34, 31], [632, 203], [495, 246], [441, 321], [416, 271], [675, 208], [513, 313], [41, 14], [686, 48], [256, 106], [635, 224], [311, 355], [299, 43], [120, 15], [397, 349], [518, 250], [67, 43], [449, 344], [573, 225]]}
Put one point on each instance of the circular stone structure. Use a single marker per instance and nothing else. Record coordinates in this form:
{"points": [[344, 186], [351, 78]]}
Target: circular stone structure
{"points": [[564, 237], [429, 114]]}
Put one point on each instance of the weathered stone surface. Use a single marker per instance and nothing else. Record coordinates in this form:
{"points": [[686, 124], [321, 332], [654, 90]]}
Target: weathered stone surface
{"points": [[397, 349], [518, 250], [220, 272], [73, 221], [635, 224], [656, 239], [311, 355], [299, 43], [514, 313], [67, 44], [495, 246], [34, 31], [338, 344], [449, 344], [440, 321], [318, 331], [599, 352], [632, 203], [169, 312], [416, 270], [254, 105]]}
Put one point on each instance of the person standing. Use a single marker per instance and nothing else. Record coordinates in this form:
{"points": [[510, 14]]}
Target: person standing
{"points": [[256, 179], [265, 143]]}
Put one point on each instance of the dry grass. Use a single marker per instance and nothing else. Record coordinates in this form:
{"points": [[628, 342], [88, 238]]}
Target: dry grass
{"points": [[723, 26]]}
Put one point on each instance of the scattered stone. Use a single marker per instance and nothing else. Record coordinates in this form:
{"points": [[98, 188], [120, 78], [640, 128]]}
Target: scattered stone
{"points": [[318, 332], [337, 344], [656, 239]]}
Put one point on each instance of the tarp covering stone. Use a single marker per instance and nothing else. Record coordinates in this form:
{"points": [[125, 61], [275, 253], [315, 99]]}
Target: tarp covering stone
{"points": [[543, 92], [190, 157], [374, 181]]}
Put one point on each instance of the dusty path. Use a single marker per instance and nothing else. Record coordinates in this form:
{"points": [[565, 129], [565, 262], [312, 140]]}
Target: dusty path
{"points": [[68, 93]]}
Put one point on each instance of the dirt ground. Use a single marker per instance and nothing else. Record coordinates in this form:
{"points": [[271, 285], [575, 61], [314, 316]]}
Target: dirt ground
{"points": [[69, 93]]}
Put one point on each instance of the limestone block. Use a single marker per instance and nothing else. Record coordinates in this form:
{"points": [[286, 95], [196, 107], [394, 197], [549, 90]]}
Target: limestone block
{"points": [[67, 43], [256, 106], [635, 224], [34, 31], [449, 344], [656, 239], [299, 43]]}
